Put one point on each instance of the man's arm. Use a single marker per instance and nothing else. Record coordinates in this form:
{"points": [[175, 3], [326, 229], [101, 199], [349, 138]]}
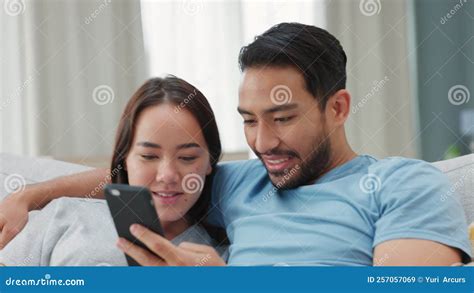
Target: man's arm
{"points": [[15, 207], [414, 252], [85, 184]]}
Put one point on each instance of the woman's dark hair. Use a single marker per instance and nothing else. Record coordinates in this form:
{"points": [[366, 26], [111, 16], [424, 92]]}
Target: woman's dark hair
{"points": [[184, 96], [314, 52]]}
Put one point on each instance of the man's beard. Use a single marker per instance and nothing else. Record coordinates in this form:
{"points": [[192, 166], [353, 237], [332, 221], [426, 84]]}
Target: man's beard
{"points": [[312, 167]]}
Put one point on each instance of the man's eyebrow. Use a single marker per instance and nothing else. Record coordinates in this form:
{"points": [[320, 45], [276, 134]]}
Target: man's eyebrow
{"points": [[277, 108], [242, 111], [148, 144]]}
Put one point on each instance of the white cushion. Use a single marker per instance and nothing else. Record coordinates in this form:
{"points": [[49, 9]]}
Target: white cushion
{"points": [[16, 169], [461, 173]]}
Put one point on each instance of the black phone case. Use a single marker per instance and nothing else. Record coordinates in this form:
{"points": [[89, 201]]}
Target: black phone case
{"points": [[133, 204]]}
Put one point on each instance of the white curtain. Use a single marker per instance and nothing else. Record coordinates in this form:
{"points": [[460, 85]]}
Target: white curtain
{"points": [[67, 69], [57, 56], [376, 36], [200, 42]]}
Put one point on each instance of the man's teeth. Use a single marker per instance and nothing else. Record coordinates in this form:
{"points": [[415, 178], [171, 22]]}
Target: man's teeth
{"points": [[278, 161]]}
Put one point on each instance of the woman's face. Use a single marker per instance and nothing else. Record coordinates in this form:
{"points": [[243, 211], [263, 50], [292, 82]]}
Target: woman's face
{"points": [[169, 156]]}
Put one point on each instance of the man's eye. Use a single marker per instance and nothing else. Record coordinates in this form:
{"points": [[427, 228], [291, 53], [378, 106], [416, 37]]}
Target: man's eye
{"points": [[149, 157], [284, 119], [248, 121], [188, 159]]}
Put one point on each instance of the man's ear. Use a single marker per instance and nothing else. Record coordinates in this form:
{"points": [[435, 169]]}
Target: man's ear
{"points": [[338, 107]]}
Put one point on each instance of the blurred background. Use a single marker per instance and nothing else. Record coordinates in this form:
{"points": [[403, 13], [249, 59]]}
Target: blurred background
{"points": [[68, 68]]}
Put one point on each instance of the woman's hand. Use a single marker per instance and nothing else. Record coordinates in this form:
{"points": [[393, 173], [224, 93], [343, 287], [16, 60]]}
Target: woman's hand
{"points": [[166, 253], [13, 216]]}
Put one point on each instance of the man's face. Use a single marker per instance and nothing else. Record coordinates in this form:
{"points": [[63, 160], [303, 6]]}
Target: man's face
{"points": [[284, 125]]}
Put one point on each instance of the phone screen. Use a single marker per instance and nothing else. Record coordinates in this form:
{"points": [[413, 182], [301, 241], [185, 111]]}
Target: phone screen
{"points": [[129, 205]]}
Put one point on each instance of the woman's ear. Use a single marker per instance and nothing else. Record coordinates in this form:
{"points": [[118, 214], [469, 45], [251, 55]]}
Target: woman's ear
{"points": [[209, 169]]}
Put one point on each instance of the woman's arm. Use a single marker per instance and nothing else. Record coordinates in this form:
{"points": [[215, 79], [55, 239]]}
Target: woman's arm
{"points": [[15, 207]]}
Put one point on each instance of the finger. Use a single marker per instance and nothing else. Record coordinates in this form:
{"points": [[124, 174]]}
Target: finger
{"points": [[157, 244], [7, 234], [200, 248], [142, 256]]}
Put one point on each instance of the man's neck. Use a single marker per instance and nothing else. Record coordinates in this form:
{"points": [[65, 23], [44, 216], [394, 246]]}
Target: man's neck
{"points": [[341, 158]]}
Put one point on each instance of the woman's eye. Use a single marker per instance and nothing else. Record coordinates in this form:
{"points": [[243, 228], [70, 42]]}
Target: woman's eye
{"points": [[149, 157], [188, 159]]}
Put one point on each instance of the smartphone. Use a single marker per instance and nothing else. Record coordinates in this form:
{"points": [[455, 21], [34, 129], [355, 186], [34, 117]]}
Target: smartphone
{"points": [[129, 205]]}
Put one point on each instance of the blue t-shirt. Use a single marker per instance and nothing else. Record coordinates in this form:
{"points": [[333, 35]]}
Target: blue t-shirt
{"points": [[339, 219]]}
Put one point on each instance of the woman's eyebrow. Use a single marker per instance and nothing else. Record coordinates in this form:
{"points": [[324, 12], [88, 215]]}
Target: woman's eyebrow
{"points": [[188, 145], [148, 144]]}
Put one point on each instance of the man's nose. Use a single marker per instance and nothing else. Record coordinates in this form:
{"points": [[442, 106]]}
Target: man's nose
{"points": [[266, 139]]}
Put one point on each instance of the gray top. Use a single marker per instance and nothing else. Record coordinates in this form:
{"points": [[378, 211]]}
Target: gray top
{"points": [[77, 232]]}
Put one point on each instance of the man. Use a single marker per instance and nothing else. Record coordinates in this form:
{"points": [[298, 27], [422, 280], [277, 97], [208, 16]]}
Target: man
{"points": [[309, 199]]}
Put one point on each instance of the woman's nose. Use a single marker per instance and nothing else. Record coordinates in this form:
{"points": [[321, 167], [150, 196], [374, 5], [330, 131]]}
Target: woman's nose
{"points": [[167, 173]]}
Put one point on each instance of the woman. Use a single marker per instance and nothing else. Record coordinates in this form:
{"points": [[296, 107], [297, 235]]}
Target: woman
{"points": [[168, 141]]}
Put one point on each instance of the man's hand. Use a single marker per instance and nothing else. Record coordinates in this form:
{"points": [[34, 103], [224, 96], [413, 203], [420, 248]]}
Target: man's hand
{"points": [[166, 253]]}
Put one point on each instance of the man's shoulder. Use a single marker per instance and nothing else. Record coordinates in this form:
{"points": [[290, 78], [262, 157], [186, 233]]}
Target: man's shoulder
{"points": [[410, 175], [401, 165]]}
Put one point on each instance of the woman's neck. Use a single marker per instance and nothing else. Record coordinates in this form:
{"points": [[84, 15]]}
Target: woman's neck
{"points": [[174, 228]]}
